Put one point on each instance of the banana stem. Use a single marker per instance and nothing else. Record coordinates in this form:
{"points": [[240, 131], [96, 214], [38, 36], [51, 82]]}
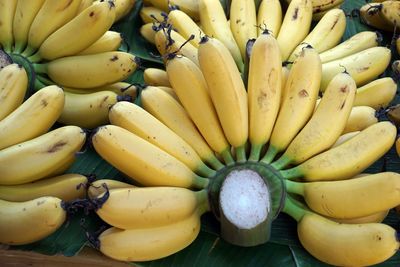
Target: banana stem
{"points": [[255, 152], [204, 170], [34, 58], [293, 210], [240, 153], [203, 204], [294, 187], [291, 173], [270, 155], [200, 182], [281, 163], [18, 47], [44, 80], [39, 85], [40, 68], [215, 163], [28, 51], [227, 156]]}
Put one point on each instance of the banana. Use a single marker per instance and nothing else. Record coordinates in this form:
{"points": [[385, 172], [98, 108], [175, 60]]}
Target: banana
{"points": [[110, 41], [51, 16], [243, 21], [149, 243], [398, 45], [97, 188], [138, 121], [84, 4], [150, 207], [7, 11], [269, 16], [323, 129], [344, 137], [285, 75], [376, 94], [396, 68], [88, 71], [13, 86], [326, 34], [376, 217], [67, 187], [360, 118], [349, 158], [153, 166], [25, 13], [151, 14], [317, 16], [363, 66], [148, 33], [371, 15], [323, 5], [120, 88], [30, 221], [295, 26], [191, 88], [170, 91], [87, 110], [40, 111], [190, 7], [357, 43], [167, 110], [156, 77], [390, 13], [40, 157], [122, 8], [301, 93], [215, 24], [264, 91], [185, 26]]}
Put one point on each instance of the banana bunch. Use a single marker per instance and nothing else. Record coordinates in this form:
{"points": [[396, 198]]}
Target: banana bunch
{"points": [[381, 15]]}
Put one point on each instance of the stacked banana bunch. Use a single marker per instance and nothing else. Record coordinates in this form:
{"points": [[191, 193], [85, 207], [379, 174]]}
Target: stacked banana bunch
{"points": [[382, 15], [70, 44], [33, 159]]}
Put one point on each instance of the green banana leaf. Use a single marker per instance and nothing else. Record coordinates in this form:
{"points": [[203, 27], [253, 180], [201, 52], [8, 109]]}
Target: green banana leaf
{"points": [[208, 249]]}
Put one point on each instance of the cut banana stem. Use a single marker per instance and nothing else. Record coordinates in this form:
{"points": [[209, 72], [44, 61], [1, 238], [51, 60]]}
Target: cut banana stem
{"points": [[376, 217], [269, 17]]}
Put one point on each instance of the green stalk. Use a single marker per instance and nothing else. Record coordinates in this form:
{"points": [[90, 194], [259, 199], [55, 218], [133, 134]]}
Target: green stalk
{"points": [[255, 152], [293, 209], [281, 163], [241, 153], [39, 85], [292, 173], [202, 201], [28, 51], [205, 171], [200, 182], [215, 163], [35, 58], [294, 187], [40, 68], [270, 155], [227, 156], [17, 58], [44, 80]]}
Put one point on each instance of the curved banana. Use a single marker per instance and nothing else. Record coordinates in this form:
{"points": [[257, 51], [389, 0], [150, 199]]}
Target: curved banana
{"points": [[67, 187], [84, 4], [376, 217], [7, 11], [396, 68], [285, 76], [40, 157], [185, 26], [88, 71], [371, 15], [357, 43], [120, 88], [156, 77], [122, 8], [170, 91], [269, 16], [349, 158], [13, 86], [148, 33], [318, 15], [151, 14], [323, 129], [390, 13], [27, 222], [98, 187], [360, 118], [376, 94], [110, 41], [363, 66], [344, 137], [153, 166], [40, 111]]}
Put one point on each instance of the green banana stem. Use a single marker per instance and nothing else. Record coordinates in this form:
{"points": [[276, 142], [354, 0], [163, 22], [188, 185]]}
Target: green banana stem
{"points": [[291, 173], [227, 156], [293, 209], [28, 68], [240, 153], [35, 58], [39, 85], [40, 68], [294, 187], [255, 152], [206, 171], [28, 51], [200, 182], [215, 163], [281, 163], [270, 155], [203, 204]]}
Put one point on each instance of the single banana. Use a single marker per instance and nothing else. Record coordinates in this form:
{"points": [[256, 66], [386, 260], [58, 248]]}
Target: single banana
{"points": [[25, 13], [13, 86], [84, 4], [150, 207], [317, 16], [98, 187], [363, 66], [326, 34], [349, 158], [357, 43], [376, 217], [7, 11], [122, 8], [295, 26], [67, 187], [344, 138], [301, 93], [269, 17], [190, 7], [110, 41], [285, 76], [170, 91], [88, 71], [185, 26], [360, 118], [191, 88], [156, 77], [40, 111], [264, 91], [40, 157], [371, 15], [153, 166], [323, 129], [120, 88], [30, 221], [323, 5], [396, 68], [51, 16], [148, 33], [376, 94], [390, 13], [215, 24], [87, 110], [243, 21], [151, 14]]}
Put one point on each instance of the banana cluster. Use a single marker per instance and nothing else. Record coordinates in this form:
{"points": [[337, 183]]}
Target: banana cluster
{"points": [[381, 15]]}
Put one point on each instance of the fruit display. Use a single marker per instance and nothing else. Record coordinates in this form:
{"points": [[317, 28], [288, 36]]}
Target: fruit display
{"points": [[382, 15]]}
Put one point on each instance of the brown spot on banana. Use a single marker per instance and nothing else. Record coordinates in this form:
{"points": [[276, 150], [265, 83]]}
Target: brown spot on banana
{"points": [[114, 58], [57, 146], [303, 93], [296, 13]]}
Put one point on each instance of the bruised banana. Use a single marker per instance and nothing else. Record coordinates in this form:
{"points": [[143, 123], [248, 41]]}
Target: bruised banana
{"points": [[390, 11], [371, 14], [98, 187], [110, 41], [376, 94], [156, 77], [360, 118], [269, 17], [7, 11]]}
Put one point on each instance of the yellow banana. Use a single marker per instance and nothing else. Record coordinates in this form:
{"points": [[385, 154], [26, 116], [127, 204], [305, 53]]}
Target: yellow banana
{"points": [[326, 34], [153, 166], [25, 13], [190, 7], [264, 91], [13, 86], [40, 157], [7, 11], [148, 32], [215, 24], [371, 14], [301, 93], [88, 71], [170, 91], [295, 26], [51, 16], [376, 94], [138, 121], [98, 187], [349, 158], [323, 129], [344, 137], [357, 43], [30, 221], [243, 21], [376, 217], [40, 111], [150, 207], [317, 16], [191, 88], [84, 4], [156, 77], [360, 118], [149, 243], [269, 16], [67, 187], [87, 110], [110, 41], [150, 14], [167, 110], [122, 8], [185, 26], [120, 88], [363, 66], [390, 13], [227, 92], [285, 75]]}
